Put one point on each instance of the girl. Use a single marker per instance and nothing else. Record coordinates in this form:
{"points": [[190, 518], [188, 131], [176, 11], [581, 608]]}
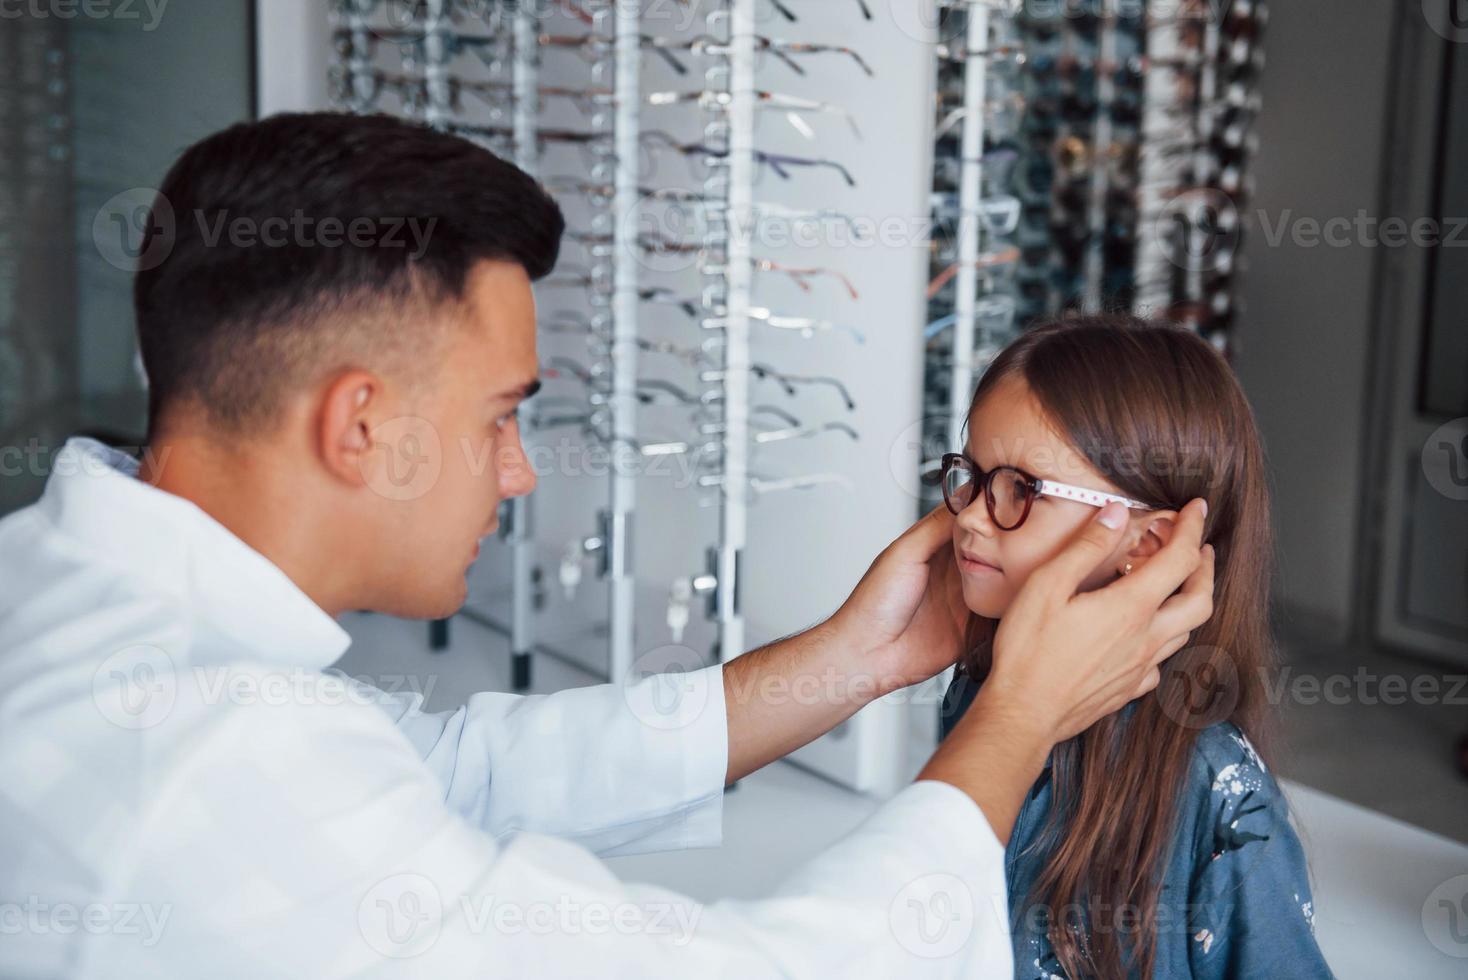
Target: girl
{"points": [[1155, 844]]}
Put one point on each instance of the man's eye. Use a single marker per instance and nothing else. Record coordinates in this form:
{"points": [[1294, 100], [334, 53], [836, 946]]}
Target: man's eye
{"points": [[504, 420]]}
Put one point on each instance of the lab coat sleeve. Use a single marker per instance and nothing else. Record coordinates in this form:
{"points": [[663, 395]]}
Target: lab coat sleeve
{"points": [[310, 841], [618, 769]]}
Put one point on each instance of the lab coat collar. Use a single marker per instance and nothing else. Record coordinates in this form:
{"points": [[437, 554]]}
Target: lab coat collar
{"points": [[240, 603]]}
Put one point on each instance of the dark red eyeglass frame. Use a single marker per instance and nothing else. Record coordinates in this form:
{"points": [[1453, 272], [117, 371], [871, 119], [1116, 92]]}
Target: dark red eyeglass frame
{"points": [[1034, 487], [984, 481]]}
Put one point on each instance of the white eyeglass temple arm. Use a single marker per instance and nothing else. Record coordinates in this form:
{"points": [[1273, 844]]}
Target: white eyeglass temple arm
{"points": [[1095, 498]]}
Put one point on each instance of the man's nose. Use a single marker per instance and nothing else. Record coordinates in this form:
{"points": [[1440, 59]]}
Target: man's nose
{"points": [[516, 477]]}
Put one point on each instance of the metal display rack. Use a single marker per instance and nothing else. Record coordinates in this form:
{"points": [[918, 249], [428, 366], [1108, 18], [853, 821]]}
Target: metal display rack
{"points": [[1080, 160], [1102, 166], [431, 55], [36, 268]]}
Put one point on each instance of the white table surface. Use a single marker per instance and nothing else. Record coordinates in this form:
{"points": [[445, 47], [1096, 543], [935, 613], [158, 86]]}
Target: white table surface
{"points": [[1373, 875]]}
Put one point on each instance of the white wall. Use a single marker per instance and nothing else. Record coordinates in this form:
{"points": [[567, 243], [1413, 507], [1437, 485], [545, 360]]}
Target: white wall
{"points": [[289, 71], [1308, 310]]}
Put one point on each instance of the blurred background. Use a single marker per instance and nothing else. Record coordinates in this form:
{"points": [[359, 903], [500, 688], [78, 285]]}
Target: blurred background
{"points": [[1290, 181]]}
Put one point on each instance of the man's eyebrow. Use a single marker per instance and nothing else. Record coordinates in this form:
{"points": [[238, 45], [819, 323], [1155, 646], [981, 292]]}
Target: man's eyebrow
{"points": [[527, 390]]}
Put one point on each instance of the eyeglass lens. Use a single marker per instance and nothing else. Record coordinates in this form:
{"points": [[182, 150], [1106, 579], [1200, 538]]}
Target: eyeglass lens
{"points": [[1006, 495]]}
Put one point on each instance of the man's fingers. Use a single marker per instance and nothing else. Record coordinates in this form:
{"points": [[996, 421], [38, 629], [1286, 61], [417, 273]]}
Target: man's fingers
{"points": [[1169, 648], [921, 541], [1149, 682], [1192, 606], [1175, 561], [1096, 539]]}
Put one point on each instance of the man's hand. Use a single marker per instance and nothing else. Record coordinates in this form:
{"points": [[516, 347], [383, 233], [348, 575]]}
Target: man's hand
{"points": [[1075, 658], [906, 616], [902, 624], [1064, 660]]}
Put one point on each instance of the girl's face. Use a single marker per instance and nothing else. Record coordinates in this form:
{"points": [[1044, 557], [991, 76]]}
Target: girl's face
{"points": [[1009, 428]]}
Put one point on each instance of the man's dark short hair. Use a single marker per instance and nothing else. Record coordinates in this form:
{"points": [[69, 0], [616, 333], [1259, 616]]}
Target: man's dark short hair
{"points": [[304, 234]]}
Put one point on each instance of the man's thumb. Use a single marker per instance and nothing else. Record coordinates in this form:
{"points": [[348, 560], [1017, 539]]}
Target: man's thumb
{"points": [[1112, 516], [1093, 542]]}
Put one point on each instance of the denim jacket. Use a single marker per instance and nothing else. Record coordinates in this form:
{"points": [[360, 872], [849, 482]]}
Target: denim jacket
{"points": [[1235, 899]]}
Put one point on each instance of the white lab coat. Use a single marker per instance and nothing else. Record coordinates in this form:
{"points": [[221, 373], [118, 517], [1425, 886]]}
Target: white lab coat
{"points": [[186, 791]]}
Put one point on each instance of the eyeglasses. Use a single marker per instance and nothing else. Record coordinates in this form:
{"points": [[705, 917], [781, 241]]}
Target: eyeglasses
{"points": [[789, 14], [1001, 258], [960, 52], [490, 49], [368, 84], [793, 105], [1009, 491], [714, 157], [785, 381], [410, 13], [807, 327], [1001, 113], [595, 46], [780, 50], [998, 214], [993, 314]]}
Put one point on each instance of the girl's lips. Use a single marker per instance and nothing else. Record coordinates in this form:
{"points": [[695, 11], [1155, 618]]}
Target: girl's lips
{"points": [[972, 565]]}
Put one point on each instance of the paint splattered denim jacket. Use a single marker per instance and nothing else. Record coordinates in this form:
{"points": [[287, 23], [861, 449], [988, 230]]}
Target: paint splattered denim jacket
{"points": [[1235, 899]]}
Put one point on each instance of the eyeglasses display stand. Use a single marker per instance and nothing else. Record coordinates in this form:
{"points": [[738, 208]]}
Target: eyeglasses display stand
{"points": [[1101, 165], [725, 364]]}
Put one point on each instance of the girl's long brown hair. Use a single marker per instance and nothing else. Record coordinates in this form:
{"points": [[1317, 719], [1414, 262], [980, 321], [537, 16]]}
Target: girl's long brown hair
{"points": [[1160, 414]]}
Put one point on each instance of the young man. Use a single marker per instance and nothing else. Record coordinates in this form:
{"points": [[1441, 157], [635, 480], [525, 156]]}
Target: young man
{"points": [[184, 789]]}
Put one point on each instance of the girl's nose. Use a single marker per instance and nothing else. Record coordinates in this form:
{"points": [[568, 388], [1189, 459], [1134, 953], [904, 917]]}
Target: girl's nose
{"points": [[975, 518]]}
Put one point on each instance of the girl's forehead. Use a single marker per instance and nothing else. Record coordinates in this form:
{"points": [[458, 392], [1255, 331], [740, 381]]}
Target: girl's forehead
{"points": [[1008, 426]]}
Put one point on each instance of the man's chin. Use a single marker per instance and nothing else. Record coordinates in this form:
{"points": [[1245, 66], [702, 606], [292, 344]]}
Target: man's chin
{"points": [[440, 604]]}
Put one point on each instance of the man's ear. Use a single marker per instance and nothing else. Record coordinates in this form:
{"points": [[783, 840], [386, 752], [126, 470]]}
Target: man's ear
{"points": [[349, 410]]}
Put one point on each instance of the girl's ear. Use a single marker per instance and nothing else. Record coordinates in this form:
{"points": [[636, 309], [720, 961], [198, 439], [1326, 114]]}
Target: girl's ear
{"points": [[1156, 530]]}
